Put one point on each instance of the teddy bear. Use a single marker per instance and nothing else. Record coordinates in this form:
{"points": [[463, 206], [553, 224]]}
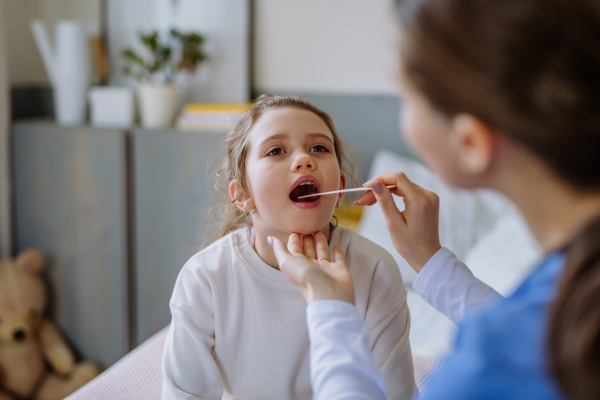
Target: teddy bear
{"points": [[35, 360]]}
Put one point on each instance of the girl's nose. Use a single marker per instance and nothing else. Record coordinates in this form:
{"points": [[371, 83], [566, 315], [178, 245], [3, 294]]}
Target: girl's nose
{"points": [[303, 161]]}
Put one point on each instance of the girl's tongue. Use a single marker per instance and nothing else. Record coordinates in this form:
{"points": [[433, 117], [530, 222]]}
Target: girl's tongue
{"points": [[304, 189]]}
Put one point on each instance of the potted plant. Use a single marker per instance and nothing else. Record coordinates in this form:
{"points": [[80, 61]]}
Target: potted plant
{"points": [[158, 67]]}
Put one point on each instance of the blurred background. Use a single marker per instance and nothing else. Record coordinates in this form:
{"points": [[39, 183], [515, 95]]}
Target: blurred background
{"points": [[107, 154]]}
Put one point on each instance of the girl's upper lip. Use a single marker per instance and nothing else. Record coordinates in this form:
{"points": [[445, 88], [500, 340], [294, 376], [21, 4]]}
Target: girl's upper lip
{"points": [[306, 178]]}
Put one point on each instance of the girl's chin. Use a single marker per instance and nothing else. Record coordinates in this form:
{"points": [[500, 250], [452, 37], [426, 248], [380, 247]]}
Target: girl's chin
{"points": [[304, 229]]}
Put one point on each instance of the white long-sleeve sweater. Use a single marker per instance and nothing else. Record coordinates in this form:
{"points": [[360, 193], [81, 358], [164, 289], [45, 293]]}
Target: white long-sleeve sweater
{"points": [[239, 326]]}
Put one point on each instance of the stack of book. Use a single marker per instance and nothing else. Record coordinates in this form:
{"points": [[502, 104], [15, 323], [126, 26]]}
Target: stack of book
{"points": [[210, 117]]}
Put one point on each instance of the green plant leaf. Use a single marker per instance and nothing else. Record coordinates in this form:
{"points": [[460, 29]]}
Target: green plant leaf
{"points": [[183, 51]]}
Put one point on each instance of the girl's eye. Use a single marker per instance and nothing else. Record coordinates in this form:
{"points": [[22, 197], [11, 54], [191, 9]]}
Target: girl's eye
{"points": [[275, 152], [319, 149]]}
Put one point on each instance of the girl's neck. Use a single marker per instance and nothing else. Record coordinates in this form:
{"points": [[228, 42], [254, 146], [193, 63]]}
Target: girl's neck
{"points": [[265, 251]]}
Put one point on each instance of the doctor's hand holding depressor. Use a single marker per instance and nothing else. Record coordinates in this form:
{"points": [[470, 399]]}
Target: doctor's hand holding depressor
{"points": [[414, 231]]}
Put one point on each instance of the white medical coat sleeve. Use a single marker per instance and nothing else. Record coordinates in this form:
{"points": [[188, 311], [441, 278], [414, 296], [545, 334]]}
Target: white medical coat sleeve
{"points": [[341, 363], [450, 287], [388, 323]]}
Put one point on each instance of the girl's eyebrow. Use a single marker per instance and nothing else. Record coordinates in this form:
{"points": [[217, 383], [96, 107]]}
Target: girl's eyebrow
{"points": [[321, 136], [279, 136]]}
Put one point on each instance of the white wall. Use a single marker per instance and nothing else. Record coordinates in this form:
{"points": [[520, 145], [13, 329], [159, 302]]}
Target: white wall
{"points": [[225, 23], [125, 19], [323, 46], [25, 64]]}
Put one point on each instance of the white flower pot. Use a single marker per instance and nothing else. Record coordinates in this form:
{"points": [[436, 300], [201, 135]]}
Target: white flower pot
{"points": [[158, 104]]}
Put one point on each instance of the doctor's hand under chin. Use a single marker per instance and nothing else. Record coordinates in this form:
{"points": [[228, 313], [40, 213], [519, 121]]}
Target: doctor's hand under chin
{"points": [[306, 263]]}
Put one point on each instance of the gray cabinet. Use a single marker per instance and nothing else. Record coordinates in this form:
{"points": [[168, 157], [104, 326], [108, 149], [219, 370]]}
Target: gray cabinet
{"points": [[70, 202], [173, 194], [117, 214]]}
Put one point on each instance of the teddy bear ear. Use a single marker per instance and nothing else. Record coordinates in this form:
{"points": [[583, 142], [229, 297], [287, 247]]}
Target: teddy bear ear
{"points": [[30, 260]]}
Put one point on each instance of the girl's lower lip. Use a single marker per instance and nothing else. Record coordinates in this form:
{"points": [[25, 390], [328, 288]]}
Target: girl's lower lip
{"points": [[307, 204]]}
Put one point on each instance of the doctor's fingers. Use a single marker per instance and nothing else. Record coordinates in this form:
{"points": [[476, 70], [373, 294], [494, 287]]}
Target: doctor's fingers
{"points": [[279, 249], [339, 257], [420, 217], [308, 247], [393, 217], [415, 231], [416, 199], [367, 199], [423, 204], [293, 266], [403, 187], [322, 246], [294, 245]]}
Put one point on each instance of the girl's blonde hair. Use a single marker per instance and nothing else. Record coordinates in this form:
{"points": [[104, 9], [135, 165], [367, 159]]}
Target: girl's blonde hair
{"points": [[230, 218]]}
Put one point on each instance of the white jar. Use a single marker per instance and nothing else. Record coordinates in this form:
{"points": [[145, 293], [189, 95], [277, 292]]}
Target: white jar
{"points": [[158, 104]]}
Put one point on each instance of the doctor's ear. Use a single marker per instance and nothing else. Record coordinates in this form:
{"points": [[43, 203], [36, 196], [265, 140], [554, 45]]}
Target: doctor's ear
{"points": [[473, 144], [239, 197]]}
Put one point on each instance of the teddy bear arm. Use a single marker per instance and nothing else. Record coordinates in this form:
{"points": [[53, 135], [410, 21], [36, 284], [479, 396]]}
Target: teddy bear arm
{"points": [[56, 349]]}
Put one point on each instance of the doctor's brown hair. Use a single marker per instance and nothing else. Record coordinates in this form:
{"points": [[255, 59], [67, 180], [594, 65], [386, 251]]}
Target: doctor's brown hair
{"points": [[530, 69], [230, 218]]}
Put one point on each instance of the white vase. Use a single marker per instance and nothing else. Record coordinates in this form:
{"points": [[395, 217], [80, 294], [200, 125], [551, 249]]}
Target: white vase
{"points": [[68, 68], [158, 104]]}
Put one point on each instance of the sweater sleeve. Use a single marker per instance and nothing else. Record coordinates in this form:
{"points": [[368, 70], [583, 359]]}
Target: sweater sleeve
{"points": [[450, 287], [388, 323], [189, 368], [341, 363]]}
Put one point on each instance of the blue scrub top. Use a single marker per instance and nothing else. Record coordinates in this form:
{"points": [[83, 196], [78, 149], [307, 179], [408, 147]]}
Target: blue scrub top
{"points": [[501, 353]]}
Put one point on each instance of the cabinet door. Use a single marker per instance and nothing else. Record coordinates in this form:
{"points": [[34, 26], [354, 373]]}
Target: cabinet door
{"points": [[70, 202], [173, 196]]}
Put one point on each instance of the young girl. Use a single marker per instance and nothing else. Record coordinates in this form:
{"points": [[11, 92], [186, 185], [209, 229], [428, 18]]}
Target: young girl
{"points": [[239, 326]]}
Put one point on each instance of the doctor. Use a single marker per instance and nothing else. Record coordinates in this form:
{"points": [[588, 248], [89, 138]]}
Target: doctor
{"points": [[501, 94]]}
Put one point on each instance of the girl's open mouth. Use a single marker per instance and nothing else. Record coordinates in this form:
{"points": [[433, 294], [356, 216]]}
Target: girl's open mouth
{"points": [[304, 189], [305, 186]]}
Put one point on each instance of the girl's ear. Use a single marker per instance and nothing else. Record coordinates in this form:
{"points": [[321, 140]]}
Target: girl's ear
{"points": [[240, 199], [342, 186], [473, 143]]}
